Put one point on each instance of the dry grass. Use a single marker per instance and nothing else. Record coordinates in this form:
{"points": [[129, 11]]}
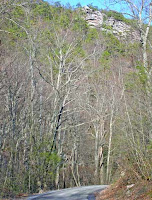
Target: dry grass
{"points": [[21, 196], [140, 191]]}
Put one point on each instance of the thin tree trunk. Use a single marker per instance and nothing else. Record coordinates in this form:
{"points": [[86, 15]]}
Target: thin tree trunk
{"points": [[109, 149]]}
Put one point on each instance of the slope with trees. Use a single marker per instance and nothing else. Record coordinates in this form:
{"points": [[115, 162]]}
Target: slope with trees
{"points": [[75, 101]]}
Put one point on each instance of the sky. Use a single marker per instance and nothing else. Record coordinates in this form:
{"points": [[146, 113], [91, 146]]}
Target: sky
{"points": [[83, 2], [98, 3]]}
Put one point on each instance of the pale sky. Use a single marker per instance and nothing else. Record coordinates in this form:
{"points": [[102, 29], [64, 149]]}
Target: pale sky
{"points": [[99, 3], [83, 2]]}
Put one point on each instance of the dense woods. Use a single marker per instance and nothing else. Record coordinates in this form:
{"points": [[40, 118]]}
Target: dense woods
{"points": [[76, 102]]}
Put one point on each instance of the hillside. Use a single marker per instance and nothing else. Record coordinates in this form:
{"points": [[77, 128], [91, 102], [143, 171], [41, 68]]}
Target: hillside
{"points": [[75, 95], [141, 190], [112, 22]]}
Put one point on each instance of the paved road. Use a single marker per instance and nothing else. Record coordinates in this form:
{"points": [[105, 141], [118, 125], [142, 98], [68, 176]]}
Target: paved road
{"points": [[77, 193]]}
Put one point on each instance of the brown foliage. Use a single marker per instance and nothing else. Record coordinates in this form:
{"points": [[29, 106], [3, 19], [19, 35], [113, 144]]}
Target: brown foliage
{"points": [[142, 190]]}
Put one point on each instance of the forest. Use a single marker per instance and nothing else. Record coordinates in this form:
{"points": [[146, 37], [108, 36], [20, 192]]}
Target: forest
{"points": [[75, 101]]}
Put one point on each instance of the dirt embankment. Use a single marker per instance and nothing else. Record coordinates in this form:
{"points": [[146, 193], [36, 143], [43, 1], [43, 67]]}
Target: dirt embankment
{"points": [[141, 190]]}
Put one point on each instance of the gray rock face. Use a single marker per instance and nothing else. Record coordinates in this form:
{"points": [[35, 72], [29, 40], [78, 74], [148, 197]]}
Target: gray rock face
{"points": [[94, 18], [121, 30]]}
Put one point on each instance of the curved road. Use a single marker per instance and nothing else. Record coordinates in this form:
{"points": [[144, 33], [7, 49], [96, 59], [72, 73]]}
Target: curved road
{"points": [[77, 193]]}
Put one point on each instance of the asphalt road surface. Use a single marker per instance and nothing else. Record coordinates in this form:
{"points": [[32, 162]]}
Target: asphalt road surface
{"points": [[77, 193]]}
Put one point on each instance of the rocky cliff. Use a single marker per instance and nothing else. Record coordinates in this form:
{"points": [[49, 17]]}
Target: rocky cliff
{"points": [[94, 18], [120, 29]]}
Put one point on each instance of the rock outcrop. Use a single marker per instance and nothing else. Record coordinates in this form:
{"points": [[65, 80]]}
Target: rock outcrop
{"points": [[122, 30], [119, 28], [94, 18]]}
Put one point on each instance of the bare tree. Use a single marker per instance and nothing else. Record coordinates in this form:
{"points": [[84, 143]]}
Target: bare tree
{"points": [[141, 11]]}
